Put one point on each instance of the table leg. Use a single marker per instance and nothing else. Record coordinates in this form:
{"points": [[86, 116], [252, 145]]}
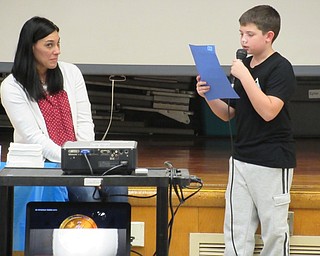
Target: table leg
{"points": [[6, 220], [162, 222]]}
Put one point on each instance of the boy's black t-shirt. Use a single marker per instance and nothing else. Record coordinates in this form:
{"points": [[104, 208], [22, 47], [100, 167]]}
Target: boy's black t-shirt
{"points": [[259, 142]]}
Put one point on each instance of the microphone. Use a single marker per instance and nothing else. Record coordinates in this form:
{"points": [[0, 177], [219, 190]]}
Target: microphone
{"points": [[241, 54]]}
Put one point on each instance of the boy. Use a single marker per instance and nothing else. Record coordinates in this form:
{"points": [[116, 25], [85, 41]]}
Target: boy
{"points": [[261, 166]]}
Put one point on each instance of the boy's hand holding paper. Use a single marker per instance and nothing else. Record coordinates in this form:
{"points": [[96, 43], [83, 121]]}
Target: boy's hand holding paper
{"points": [[209, 69]]}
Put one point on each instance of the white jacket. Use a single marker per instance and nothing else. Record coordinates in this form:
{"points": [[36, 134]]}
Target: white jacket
{"points": [[28, 122]]}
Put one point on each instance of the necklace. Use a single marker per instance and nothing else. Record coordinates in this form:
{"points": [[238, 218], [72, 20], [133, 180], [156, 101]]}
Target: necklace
{"points": [[42, 80]]}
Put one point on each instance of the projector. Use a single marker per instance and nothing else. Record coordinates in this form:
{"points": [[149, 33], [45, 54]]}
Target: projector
{"points": [[109, 157]]}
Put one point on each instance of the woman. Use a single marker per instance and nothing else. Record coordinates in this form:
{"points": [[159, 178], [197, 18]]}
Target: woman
{"points": [[47, 103], [45, 100]]}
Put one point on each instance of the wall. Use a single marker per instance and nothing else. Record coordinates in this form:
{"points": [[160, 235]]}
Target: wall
{"points": [[143, 32]]}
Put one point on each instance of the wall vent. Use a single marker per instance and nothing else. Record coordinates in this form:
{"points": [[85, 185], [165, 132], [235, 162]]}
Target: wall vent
{"points": [[212, 244]]}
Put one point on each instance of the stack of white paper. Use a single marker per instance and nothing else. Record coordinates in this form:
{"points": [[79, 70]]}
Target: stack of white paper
{"points": [[25, 155]]}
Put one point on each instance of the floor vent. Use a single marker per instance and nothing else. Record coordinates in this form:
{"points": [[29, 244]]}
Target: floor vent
{"points": [[211, 244]]}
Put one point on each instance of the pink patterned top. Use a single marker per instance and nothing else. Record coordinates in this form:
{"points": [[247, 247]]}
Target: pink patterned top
{"points": [[58, 118]]}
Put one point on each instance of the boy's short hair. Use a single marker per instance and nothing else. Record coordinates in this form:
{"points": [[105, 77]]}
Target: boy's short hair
{"points": [[265, 17]]}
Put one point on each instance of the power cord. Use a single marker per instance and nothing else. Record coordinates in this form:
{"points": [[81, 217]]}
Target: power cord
{"points": [[174, 186], [179, 193], [178, 189], [113, 79], [112, 168], [85, 153], [135, 252]]}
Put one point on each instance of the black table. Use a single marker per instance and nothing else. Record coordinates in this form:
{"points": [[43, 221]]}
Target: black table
{"points": [[159, 178]]}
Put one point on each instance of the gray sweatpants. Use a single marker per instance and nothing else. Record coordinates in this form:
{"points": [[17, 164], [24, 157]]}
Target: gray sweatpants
{"points": [[257, 194]]}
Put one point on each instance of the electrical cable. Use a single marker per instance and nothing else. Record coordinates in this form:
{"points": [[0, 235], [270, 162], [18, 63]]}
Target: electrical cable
{"points": [[178, 189], [172, 172], [174, 186], [171, 210], [232, 179], [85, 153], [111, 110], [96, 189], [113, 80], [135, 252], [143, 197], [112, 168], [194, 180], [241, 54]]}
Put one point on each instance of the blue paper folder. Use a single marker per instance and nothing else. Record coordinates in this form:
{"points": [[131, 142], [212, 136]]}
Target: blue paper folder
{"points": [[209, 69]]}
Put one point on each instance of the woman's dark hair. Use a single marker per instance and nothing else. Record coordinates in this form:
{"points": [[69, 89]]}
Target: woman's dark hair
{"points": [[24, 65]]}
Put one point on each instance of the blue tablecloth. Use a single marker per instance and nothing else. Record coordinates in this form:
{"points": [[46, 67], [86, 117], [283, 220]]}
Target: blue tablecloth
{"points": [[25, 194]]}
